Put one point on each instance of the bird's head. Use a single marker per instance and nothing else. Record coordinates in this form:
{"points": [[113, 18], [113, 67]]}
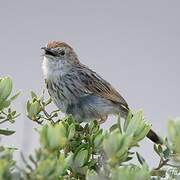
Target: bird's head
{"points": [[59, 51]]}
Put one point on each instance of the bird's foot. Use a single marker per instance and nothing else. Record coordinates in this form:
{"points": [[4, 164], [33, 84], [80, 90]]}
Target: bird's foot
{"points": [[103, 120], [81, 133]]}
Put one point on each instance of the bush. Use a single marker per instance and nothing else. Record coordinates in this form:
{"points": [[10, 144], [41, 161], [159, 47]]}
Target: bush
{"points": [[72, 151]]}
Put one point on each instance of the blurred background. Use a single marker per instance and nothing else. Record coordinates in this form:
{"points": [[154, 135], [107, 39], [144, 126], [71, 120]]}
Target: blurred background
{"points": [[132, 44]]}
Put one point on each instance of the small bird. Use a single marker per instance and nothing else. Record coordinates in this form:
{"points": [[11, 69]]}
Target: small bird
{"points": [[75, 89]]}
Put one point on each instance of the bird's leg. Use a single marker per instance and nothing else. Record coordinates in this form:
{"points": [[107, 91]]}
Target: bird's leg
{"points": [[103, 119], [81, 133]]}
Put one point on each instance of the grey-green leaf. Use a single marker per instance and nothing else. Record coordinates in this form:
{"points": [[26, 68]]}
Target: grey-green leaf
{"points": [[33, 95], [140, 158], [6, 132]]}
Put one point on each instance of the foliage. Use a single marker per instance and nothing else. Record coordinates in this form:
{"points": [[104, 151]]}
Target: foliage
{"points": [[70, 150], [6, 113]]}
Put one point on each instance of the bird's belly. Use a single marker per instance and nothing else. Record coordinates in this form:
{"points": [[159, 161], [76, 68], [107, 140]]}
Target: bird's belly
{"points": [[91, 107], [60, 103], [61, 97], [83, 107]]}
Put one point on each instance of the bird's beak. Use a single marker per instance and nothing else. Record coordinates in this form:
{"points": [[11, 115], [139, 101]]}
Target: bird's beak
{"points": [[48, 51]]}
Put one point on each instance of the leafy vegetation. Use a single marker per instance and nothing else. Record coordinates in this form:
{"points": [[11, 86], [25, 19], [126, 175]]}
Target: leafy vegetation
{"points": [[70, 150]]}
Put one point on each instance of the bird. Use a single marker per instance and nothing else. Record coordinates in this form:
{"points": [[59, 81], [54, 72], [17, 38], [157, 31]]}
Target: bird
{"points": [[77, 90]]}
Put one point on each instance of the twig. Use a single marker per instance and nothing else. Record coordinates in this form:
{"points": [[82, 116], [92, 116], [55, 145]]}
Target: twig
{"points": [[7, 119], [54, 112], [48, 117], [172, 165], [162, 163], [44, 111]]}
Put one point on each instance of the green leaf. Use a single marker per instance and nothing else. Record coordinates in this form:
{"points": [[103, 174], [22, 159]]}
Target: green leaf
{"points": [[5, 88], [28, 106], [127, 121], [156, 149], [128, 159], [43, 136], [33, 95], [12, 121], [92, 175], [82, 146], [81, 158], [9, 110], [17, 115], [34, 109], [92, 163], [98, 141], [70, 120], [68, 160], [134, 123], [42, 96], [113, 127], [32, 160], [5, 104], [48, 101], [140, 158], [78, 127], [166, 142], [119, 123], [144, 131], [160, 148], [4, 153], [13, 113], [116, 144], [93, 127], [71, 131], [166, 153], [15, 96], [6, 132], [56, 136]]}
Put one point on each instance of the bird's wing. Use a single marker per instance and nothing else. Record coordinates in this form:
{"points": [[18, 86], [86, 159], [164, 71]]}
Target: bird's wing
{"points": [[90, 82]]}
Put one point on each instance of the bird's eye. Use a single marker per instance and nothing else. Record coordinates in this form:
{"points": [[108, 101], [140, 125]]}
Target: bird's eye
{"points": [[62, 53]]}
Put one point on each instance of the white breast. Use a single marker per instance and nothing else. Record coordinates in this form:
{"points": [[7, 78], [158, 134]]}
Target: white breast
{"points": [[53, 72], [53, 68]]}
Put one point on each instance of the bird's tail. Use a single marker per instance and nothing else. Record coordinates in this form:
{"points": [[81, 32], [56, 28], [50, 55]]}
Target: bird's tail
{"points": [[154, 137], [151, 134]]}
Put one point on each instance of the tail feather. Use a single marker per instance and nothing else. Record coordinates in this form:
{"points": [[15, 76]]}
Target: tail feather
{"points": [[154, 137], [151, 134]]}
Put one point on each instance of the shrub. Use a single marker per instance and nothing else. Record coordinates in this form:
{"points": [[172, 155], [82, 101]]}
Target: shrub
{"points": [[70, 150]]}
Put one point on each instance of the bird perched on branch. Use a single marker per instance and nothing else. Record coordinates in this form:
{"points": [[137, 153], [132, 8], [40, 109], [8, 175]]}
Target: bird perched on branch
{"points": [[77, 90]]}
